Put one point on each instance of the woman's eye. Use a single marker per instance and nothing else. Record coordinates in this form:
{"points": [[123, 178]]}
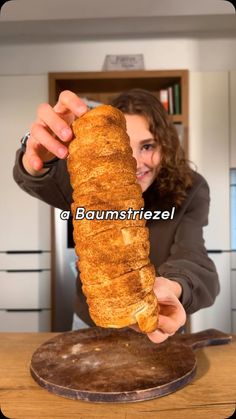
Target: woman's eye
{"points": [[148, 147]]}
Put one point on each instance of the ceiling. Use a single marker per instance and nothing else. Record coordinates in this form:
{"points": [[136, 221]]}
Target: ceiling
{"points": [[64, 20]]}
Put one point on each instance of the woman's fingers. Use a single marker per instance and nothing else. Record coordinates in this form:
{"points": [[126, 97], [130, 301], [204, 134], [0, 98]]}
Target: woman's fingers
{"points": [[158, 336], [32, 159], [172, 314], [171, 317], [59, 118], [168, 325], [70, 102], [47, 117], [41, 136], [51, 132]]}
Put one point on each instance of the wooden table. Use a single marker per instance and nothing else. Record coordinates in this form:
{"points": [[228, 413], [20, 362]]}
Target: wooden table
{"points": [[212, 393]]}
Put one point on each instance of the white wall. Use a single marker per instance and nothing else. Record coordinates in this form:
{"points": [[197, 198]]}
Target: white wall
{"points": [[196, 54]]}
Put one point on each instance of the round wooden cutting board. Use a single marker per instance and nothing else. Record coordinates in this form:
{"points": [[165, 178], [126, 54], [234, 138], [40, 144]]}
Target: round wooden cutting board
{"points": [[110, 365]]}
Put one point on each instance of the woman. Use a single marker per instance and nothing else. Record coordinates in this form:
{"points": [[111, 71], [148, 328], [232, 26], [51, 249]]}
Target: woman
{"points": [[186, 278]]}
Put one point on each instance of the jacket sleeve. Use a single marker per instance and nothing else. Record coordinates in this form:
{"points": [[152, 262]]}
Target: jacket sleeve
{"points": [[53, 187], [188, 262]]}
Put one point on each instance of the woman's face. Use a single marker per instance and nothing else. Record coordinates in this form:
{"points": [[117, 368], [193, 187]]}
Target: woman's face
{"points": [[145, 149]]}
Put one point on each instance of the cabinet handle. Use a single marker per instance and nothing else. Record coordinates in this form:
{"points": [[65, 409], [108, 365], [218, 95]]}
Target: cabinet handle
{"points": [[23, 252], [17, 310], [25, 270], [219, 251]]}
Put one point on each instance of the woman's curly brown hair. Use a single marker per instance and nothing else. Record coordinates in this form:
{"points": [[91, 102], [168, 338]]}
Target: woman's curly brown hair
{"points": [[175, 175]]}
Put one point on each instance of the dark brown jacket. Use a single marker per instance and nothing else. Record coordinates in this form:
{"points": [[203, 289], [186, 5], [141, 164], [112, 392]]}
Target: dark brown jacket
{"points": [[177, 246]]}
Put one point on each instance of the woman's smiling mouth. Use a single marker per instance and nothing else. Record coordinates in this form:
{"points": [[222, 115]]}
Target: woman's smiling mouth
{"points": [[142, 174]]}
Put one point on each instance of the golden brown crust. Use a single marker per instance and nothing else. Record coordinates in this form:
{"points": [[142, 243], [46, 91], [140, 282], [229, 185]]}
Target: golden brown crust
{"points": [[117, 277], [133, 283], [92, 273], [127, 192]]}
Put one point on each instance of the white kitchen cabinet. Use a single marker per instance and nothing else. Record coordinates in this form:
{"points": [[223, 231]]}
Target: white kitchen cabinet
{"points": [[218, 316], [25, 260], [25, 248], [233, 321], [209, 150], [233, 119], [25, 321], [233, 290], [24, 220], [29, 289]]}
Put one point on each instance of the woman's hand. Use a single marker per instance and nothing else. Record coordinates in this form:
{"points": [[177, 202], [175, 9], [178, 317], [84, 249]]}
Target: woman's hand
{"points": [[172, 314], [51, 132]]}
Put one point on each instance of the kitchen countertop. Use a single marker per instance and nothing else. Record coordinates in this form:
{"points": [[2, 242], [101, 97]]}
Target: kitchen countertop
{"points": [[211, 394]]}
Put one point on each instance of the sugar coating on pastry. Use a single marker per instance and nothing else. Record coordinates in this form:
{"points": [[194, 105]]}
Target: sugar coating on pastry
{"points": [[113, 254]]}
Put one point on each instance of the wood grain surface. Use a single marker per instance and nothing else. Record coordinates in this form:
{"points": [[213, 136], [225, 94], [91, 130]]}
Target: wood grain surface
{"points": [[117, 365], [211, 394]]}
